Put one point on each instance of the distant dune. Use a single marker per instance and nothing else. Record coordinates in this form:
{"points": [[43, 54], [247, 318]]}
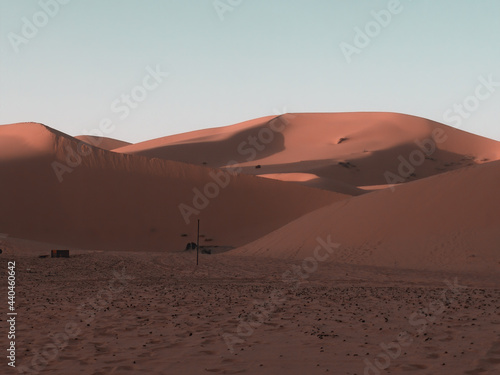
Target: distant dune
{"points": [[337, 151]]}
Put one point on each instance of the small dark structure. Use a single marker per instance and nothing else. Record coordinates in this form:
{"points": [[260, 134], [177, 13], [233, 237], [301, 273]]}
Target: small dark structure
{"points": [[191, 246], [206, 251], [59, 254], [346, 164]]}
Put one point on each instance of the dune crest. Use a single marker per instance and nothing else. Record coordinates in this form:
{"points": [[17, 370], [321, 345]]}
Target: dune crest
{"points": [[102, 142]]}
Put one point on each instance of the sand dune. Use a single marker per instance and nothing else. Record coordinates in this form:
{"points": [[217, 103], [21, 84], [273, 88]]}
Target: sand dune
{"points": [[117, 201], [449, 221], [337, 149], [212, 147], [133, 199]]}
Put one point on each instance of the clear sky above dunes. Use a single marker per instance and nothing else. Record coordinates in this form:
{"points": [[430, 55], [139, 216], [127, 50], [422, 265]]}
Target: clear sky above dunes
{"points": [[258, 58]]}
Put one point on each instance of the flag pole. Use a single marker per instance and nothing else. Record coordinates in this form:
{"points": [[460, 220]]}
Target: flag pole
{"points": [[198, 242]]}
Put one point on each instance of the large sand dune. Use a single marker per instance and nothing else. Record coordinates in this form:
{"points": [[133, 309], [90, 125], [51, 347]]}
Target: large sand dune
{"points": [[107, 200], [449, 221], [337, 151]]}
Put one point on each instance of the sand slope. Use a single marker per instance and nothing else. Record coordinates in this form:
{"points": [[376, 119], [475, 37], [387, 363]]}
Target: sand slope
{"points": [[102, 142], [338, 151], [117, 201], [448, 221]]}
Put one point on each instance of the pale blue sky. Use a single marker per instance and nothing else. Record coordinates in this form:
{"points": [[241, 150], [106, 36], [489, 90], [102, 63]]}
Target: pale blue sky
{"points": [[265, 57]]}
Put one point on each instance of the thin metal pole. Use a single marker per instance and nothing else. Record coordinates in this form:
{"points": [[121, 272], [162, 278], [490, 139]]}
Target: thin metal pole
{"points": [[198, 242]]}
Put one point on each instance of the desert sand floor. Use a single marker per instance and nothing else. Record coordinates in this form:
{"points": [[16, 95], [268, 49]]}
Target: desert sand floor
{"points": [[157, 313]]}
